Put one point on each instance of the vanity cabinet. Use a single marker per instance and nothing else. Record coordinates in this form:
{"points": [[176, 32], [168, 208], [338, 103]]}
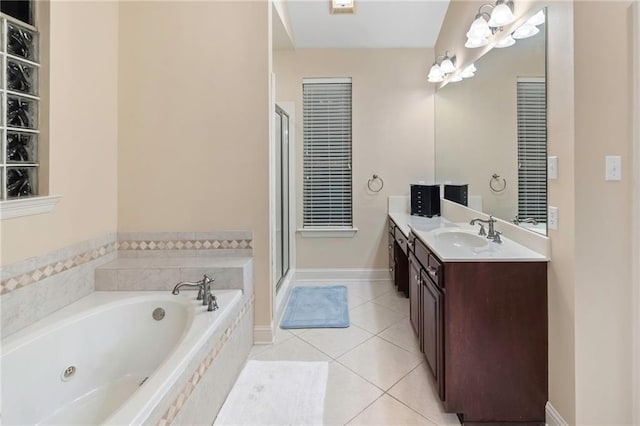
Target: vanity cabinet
{"points": [[398, 258], [483, 331]]}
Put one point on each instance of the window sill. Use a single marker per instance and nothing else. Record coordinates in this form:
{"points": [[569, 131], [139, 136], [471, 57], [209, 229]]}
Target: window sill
{"points": [[28, 206], [327, 232]]}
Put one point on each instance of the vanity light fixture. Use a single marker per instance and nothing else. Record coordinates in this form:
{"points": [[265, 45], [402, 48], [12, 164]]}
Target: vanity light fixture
{"points": [[486, 24], [469, 71], [502, 14], [525, 31], [506, 42], [342, 6], [537, 19], [455, 78], [439, 70]]}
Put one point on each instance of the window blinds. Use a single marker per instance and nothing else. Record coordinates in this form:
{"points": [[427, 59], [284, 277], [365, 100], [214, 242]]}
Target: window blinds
{"points": [[532, 148], [327, 186]]}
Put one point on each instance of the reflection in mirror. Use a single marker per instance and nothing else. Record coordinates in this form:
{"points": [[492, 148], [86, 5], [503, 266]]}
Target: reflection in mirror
{"points": [[491, 133]]}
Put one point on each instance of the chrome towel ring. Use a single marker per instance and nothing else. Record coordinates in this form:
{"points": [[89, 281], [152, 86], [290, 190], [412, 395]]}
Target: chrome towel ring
{"points": [[371, 180], [494, 183]]}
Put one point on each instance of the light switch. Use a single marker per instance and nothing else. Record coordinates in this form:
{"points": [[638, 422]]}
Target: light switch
{"points": [[553, 217], [613, 167], [552, 167]]}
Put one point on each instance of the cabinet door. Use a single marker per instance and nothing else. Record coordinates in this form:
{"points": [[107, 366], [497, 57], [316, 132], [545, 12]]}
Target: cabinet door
{"points": [[414, 294], [432, 330], [392, 259]]}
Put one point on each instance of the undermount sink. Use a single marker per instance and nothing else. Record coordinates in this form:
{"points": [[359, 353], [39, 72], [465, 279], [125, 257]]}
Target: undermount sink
{"points": [[460, 238]]}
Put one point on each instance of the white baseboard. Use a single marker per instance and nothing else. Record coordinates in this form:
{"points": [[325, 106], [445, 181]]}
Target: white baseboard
{"points": [[553, 418], [262, 334], [342, 275]]}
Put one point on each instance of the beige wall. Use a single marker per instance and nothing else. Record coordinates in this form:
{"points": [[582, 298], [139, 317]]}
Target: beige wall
{"points": [[392, 137], [194, 122], [82, 133], [603, 263], [476, 125], [589, 274]]}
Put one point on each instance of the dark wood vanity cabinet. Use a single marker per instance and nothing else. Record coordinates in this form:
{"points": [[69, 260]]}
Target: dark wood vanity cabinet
{"points": [[398, 260], [483, 330]]}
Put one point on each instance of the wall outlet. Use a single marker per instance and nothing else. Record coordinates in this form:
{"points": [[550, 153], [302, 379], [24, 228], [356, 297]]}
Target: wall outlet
{"points": [[552, 167], [613, 167], [552, 217]]}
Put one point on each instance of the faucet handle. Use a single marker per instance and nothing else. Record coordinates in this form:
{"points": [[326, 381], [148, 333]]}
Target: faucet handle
{"points": [[213, 303], [496, 237], [207, 279], [482, 231]]}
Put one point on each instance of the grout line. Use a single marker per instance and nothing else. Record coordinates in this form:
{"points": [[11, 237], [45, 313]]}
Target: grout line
{"points": [[363, 410], [421, 415]]}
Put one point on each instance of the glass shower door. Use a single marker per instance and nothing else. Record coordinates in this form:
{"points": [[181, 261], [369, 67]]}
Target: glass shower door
{"points": [[282, 194]]}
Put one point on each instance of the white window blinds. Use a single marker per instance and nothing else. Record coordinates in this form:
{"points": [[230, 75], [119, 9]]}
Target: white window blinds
{"points": [[532, 148], [327, 188]]}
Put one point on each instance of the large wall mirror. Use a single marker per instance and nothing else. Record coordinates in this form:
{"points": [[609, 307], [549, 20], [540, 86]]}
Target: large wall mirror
{"points": [[491, 133]]}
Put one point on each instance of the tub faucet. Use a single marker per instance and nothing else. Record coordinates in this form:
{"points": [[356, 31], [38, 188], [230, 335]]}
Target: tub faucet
{"points": [[204, 291], [491, 221]]}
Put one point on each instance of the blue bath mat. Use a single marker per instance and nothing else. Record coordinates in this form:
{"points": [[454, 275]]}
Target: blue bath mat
{"points": [[317, 307]]}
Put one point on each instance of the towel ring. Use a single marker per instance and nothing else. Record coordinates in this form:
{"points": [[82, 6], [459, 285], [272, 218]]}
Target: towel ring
{"points": [[373, 179], [496, 177]]}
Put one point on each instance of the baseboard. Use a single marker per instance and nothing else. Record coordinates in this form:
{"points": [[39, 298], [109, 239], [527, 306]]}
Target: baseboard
{"points": [[262, 334], [553, 418], [342, 275], [283, 295]]}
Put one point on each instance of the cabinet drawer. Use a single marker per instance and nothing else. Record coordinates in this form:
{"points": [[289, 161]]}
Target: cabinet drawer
{"points": [[430, 263], [392, 226], [402, 240], [421, 251], [391, 239]]}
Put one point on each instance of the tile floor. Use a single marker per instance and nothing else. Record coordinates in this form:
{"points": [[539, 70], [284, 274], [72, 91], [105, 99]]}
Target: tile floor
{"points": [[377, 375]]}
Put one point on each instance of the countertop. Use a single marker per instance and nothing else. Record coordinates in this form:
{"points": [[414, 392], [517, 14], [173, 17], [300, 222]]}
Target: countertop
{"points": [[427, 229]]}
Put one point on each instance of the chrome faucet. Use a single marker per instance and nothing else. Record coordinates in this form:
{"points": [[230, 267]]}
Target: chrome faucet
{"points": [[530, 220], [204, 291], [491, 221]]}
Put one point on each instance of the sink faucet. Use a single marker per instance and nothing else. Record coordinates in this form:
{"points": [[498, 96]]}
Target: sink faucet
{"points": [[491, 221], [204, 291], [530, 220]]}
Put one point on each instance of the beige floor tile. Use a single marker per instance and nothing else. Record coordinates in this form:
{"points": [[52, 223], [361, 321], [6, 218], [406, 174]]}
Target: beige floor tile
{"points": [[281, 336], [347, 395], [380, 362], [394, 301], [354, 301], [417, 390], [291, 350], [336, 341], [402, 335], [256, 349], [369, 290], [374, 318], [388, 411]]}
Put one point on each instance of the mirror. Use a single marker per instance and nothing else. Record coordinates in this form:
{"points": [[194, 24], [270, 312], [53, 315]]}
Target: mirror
{"points": [[491, 133]]}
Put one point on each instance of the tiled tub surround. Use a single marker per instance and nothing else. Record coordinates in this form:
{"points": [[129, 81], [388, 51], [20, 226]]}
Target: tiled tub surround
{"points": [[185, 244], [36, 287], [158, 366]]}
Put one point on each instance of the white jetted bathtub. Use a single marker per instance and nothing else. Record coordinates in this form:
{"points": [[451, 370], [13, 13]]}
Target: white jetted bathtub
{"points": [[105, 358]]}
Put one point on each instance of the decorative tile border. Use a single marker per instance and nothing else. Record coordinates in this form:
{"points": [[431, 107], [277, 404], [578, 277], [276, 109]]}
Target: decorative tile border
{"points": [[206, 244], [191, 384], [11, 284]]}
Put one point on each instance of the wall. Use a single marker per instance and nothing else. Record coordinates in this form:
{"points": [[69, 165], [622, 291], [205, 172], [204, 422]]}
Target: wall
{"points": [[589, 303], [194, 122], [392, 137], [82, 133], [476, 122], [603, 265]]}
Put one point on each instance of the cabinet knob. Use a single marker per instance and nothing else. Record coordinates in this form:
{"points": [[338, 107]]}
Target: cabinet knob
{"points": [[390, 246], [432, 270]]}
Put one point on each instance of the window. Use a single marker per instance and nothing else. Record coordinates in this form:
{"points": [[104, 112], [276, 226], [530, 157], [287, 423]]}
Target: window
{"points": [[327, 187], [532, 148], [20, 102]]}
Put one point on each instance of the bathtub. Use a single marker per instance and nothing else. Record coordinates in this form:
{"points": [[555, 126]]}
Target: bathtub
{"points": [[105, 358]]}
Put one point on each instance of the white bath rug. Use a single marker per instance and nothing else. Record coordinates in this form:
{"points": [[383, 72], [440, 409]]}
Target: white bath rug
{"points": [[277, 393]]}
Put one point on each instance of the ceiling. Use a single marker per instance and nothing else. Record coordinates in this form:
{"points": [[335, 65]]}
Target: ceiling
{"points": [[376, 24]]}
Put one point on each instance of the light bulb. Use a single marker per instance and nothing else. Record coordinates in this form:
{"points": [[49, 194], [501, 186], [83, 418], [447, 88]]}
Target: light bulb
{"points": [[446, 66], [435, 72], [468, 71], [455, 78], [501, 15], [537, 19], [479, 28], [506, 42], [525, 31], [472, 43], [435, 79]]}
